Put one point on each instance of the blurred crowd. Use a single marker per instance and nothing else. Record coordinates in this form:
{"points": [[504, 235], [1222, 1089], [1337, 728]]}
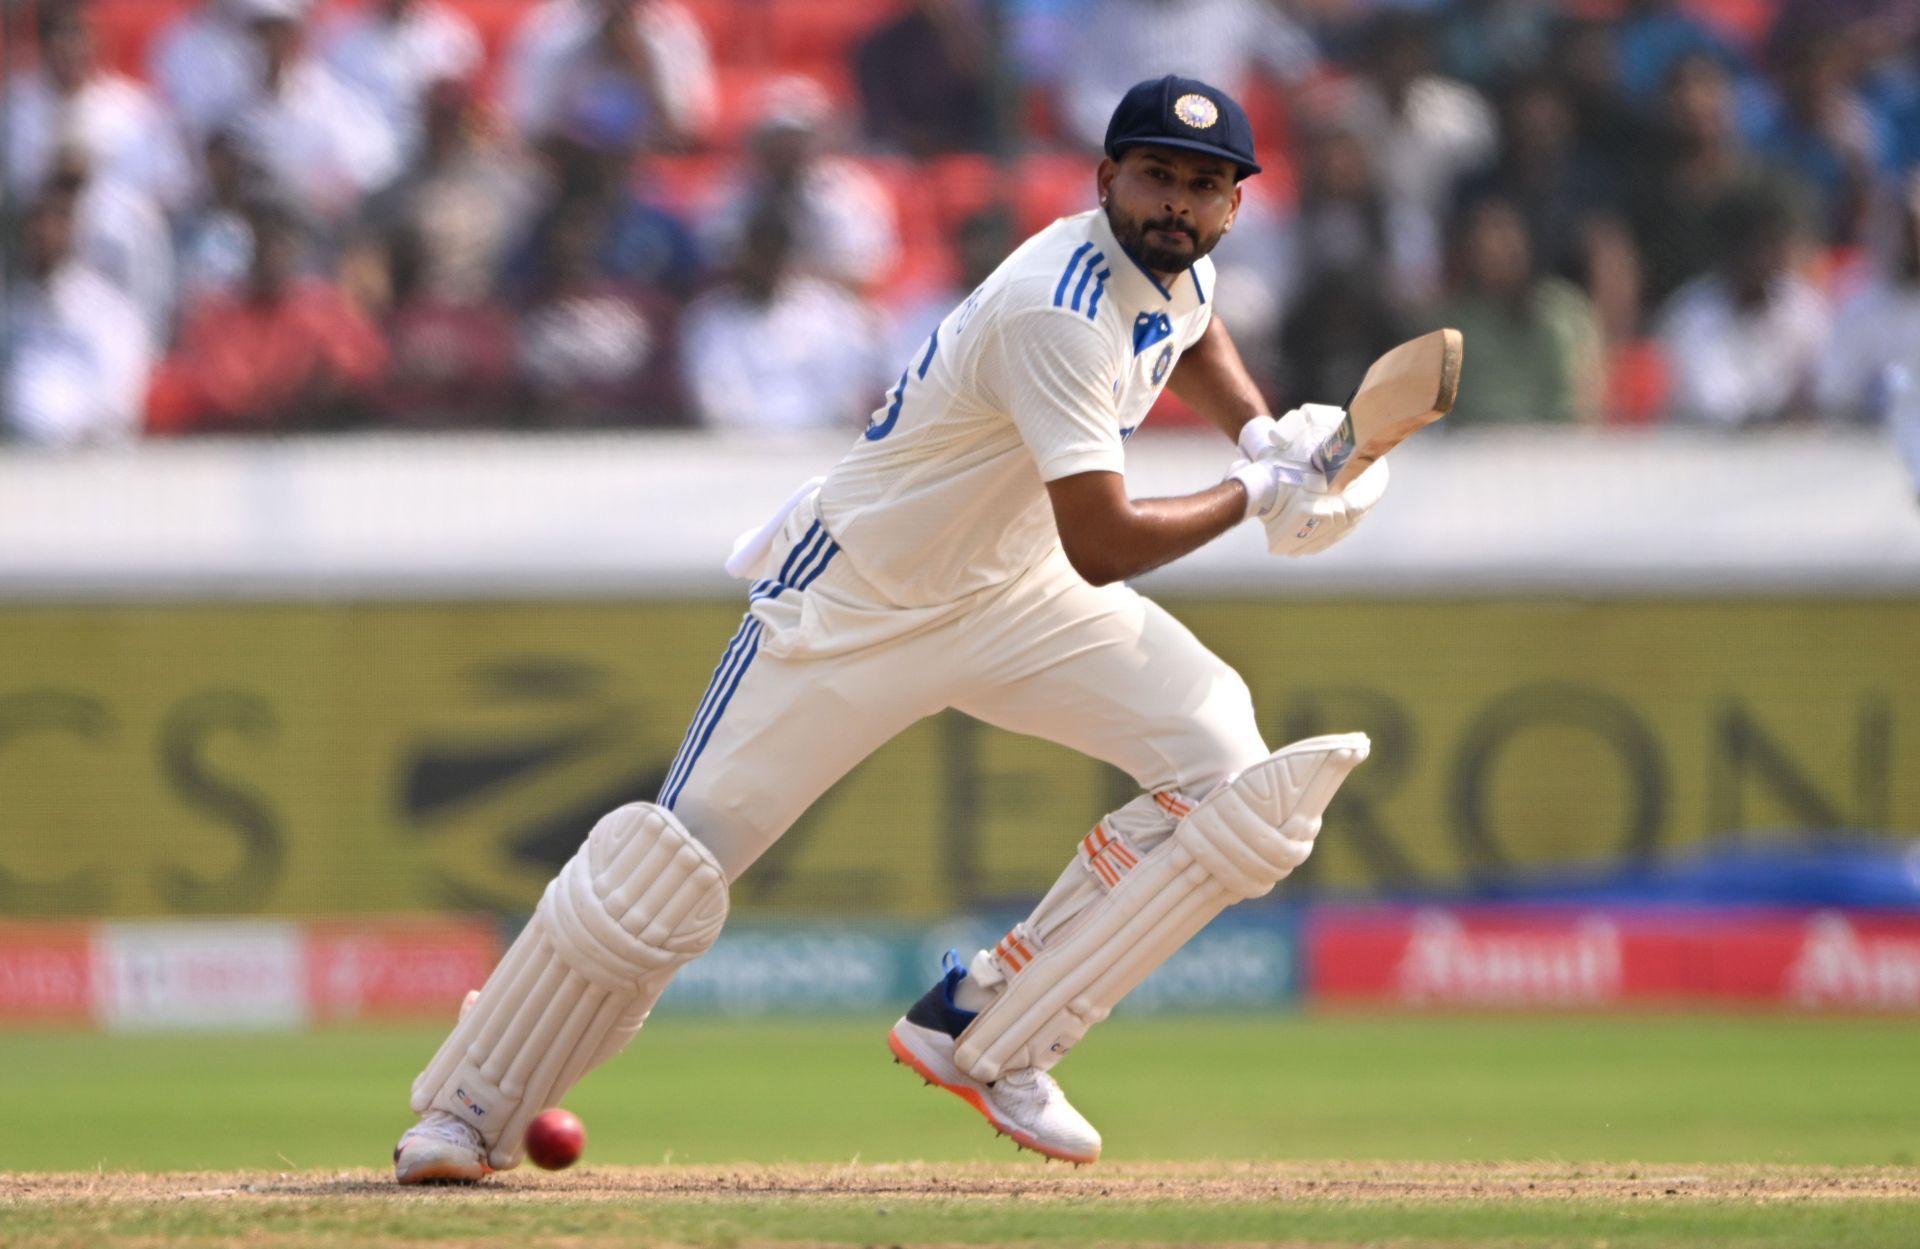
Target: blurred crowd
{"points": [[266, 216]]}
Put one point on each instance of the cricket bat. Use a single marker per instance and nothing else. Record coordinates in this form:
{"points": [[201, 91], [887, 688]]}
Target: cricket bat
{"points": [[1411, 386]]}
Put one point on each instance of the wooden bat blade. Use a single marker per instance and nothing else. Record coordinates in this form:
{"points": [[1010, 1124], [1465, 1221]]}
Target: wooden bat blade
{"points": [[1411, 386]]}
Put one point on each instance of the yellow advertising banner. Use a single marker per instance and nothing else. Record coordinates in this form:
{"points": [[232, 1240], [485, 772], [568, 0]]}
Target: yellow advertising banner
{"points": [[302, 758]]}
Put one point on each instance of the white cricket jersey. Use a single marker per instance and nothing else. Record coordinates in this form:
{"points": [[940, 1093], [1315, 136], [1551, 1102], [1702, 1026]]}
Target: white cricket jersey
{"points": [[1040, 374]]}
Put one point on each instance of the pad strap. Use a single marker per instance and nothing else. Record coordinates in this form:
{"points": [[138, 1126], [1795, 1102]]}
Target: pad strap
{"points": [[1237, 844]]}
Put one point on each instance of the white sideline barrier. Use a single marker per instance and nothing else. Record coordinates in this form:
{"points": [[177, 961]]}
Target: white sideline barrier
{"points": [[398, 517]]}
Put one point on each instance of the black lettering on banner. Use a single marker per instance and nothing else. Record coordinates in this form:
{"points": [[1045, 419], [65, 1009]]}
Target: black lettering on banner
{"points": [[184, 738], [88, 889], [1745, 752], [1506, 718], [1355, 810]]}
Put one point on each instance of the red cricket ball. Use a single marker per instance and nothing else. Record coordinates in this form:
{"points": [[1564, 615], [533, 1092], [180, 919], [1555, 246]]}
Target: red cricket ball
{"points": [[555, 1139]]}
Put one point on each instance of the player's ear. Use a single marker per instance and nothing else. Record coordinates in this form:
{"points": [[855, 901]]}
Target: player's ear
{"points": [[1103, 177]]}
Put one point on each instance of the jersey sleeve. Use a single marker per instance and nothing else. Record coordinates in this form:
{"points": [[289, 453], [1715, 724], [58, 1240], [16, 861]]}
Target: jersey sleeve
{"points": [[1059, 384]]}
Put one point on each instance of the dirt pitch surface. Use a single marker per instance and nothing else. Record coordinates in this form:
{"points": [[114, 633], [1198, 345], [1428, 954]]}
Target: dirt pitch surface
{"points": [[1356, 1183]]}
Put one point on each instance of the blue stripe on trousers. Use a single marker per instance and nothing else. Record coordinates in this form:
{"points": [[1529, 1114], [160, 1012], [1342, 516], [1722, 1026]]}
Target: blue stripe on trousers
{"points": [[733, 664]]}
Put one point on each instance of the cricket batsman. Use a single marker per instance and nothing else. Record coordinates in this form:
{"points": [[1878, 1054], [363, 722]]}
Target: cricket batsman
{"points": [[971, 551]]}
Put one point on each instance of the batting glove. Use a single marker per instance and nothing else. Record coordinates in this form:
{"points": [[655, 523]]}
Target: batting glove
{"points": [[1292, 501]]}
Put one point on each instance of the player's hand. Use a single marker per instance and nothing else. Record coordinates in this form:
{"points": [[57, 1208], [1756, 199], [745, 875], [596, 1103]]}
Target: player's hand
{"points": [[1316, 519], [1291, 499], [1275, 457]]}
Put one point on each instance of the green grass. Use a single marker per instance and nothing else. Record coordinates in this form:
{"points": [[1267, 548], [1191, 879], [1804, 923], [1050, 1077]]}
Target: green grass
{"points": [[1653, 1089]]}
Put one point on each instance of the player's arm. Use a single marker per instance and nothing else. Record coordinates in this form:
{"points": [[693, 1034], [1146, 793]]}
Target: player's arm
{"points": [[1109, 537], [1055, 375], [1212, 380]]}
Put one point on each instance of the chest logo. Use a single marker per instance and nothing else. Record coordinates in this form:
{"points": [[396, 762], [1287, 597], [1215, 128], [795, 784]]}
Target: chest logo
{"points": [[1197, 111], [1150, 328], [1163, 364]]}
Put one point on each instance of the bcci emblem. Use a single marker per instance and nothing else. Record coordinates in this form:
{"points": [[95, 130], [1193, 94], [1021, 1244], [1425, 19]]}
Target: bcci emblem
{"points": [[1164, 363], [1197, 111]]}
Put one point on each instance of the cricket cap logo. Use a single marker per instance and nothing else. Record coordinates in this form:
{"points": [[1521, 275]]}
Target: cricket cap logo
{"points": [[1197, 111]]}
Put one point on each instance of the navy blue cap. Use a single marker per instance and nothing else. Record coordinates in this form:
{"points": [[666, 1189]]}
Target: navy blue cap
{"points": [[1183, 112]]}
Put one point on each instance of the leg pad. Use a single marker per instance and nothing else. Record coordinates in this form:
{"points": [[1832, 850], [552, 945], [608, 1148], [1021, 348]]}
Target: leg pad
{"points": [[639, 900], [1237, 844]]}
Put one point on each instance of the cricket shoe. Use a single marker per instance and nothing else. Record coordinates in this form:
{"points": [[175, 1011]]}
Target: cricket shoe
{"points": [[440, 1149], [1026, 1105]]}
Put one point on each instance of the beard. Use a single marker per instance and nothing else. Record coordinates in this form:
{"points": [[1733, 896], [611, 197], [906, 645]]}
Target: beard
{"points": [[1159, 252]]}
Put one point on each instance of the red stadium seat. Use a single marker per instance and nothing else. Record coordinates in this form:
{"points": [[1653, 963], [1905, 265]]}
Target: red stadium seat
{"points": [[1051, 184], [809, 30], [495, 21], [1636, 383], [124, 28], [1168, 412], [740, 89], [1745, 22], [685, 183], [962, 184], [734, 29]]}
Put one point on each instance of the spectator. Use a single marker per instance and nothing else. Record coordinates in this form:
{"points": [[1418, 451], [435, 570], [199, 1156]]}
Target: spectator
{"points": [[1122, 42], [1340, 322], [214, 243], [122, 236], [638, 240], [1872, 370], [1423, 131], [593, 351], [981, 241], [923, 80], [284, 354], [1538, 356], [69, 100], [1347, 223], [1575, 224], [1235, 44], [1891, 86], [205, 65], [445, 228], [1742, 342], [842, 219], [394, 51], [1487, 42], [1540, 170], [638, 65], [1250, 288], [1655, 35], [776, 350], [1699, 162], [1609, 128], [323, 144], [1823, 131], [78, 353], [432, 247]]}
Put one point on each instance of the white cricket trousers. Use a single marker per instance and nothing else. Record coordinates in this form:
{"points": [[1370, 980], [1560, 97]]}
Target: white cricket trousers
{"points": [[822, 673]]}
